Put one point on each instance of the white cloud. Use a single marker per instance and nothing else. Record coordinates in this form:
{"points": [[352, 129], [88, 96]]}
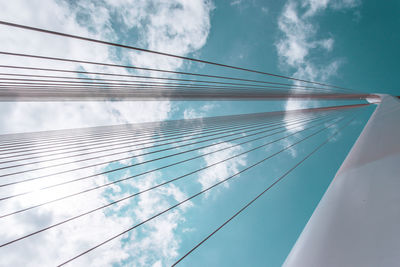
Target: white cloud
{"points": [[236, 2], [315, 6], [299, 30], [192, 113], [299, 37], [223, 170], [178, 27], [264, 10], [327, 44], [344, 4], [160, 244]]}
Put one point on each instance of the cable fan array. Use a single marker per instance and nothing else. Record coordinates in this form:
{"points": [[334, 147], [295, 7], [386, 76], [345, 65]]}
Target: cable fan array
{"points": [[40, 163], [41, 83]]}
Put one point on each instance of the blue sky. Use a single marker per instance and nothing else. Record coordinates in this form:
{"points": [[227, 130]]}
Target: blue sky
{"points": [[351, 43]]}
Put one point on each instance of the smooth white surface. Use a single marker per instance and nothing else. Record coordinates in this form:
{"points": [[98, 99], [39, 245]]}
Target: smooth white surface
{"points": [[357, 222]]}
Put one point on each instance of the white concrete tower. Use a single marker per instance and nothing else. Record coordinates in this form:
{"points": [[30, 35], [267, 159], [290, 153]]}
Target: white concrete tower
{"points": [[357, 222]]}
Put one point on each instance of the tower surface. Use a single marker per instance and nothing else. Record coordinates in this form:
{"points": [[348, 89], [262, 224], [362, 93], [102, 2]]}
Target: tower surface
{"points": [[357, 222]]}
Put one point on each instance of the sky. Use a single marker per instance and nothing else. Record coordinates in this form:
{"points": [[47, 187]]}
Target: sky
{"points": [[351, 43]]}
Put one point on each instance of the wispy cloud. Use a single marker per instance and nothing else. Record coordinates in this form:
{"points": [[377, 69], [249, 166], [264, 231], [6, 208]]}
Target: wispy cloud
{"points": [[300, 39], [191, 113], [236, 2], [156, 242], [223, 170]]}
